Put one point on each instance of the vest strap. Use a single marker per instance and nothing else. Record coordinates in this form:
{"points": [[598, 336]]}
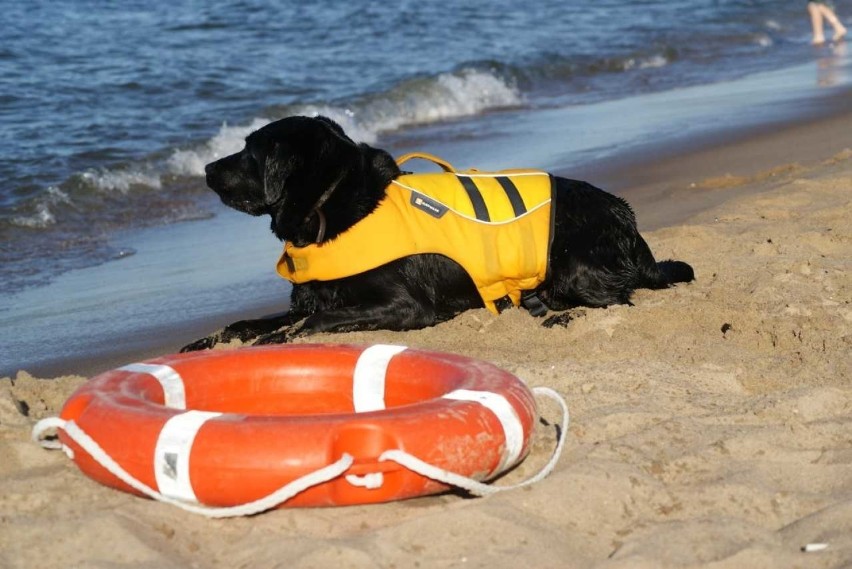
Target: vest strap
{"points": [[533, 303], [445, 166]]}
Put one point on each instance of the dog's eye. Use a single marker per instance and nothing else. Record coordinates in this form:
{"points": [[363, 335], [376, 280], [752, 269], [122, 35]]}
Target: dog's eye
{"points": [[250, 164]]}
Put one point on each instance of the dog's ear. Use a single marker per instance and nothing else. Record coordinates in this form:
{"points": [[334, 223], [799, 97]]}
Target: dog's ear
{"points": [[335, 128], [276, 169]]}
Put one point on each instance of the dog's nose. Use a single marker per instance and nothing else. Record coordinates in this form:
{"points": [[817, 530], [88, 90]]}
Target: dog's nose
{"points": [[208, 169]]}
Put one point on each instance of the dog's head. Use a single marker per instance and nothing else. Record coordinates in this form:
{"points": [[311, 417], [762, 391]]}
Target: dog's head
{"points": [[292, 167]]}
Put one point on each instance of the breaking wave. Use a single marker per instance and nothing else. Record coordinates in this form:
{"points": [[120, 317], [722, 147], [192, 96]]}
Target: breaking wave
{"points": [[413, 102], [422, 100]]}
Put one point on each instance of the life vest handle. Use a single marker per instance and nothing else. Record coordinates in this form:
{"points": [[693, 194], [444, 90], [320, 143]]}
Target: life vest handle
{"points": [[446, 166]]}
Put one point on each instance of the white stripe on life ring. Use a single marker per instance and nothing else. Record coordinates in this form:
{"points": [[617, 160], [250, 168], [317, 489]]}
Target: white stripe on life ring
{"points": [[368, 380], [172, 382], [171, 455], [509, 420]]}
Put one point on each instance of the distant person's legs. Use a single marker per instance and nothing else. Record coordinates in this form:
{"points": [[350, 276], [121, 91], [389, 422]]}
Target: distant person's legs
{"points": [[818, 11], [816, 22]]}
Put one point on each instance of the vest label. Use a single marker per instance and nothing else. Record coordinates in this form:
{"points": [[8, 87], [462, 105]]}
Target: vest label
{"points": [[424, 203]]}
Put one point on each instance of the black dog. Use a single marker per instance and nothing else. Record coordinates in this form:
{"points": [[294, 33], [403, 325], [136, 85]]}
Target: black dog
{"points": [[316, 183]]}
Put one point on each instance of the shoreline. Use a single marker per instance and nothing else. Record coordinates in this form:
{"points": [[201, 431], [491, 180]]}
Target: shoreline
{"points": [[659, 179]]}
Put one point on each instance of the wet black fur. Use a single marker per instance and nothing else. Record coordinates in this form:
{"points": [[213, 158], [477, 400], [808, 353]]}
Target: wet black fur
{"points": [[597, 258]]}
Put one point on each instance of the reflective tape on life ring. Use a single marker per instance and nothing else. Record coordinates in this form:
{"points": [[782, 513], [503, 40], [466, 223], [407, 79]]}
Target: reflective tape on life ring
{"points": [[172, 452], [509, 421], [368, 379], [171, 381]]}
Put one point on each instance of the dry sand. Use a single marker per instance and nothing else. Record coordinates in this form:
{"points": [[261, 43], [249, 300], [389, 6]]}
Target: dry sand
{"points": [[711, 425]]}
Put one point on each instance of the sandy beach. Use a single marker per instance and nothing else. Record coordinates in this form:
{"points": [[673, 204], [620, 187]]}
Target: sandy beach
{"points": [[711, 422]]}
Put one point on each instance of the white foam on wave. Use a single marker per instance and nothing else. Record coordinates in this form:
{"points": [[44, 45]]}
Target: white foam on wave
{"points": [[43, 216], [228, 140], [463, 93], [651, 62], [763, 40], [120, 180], [654, 62], [44, 205], [415, 102]]}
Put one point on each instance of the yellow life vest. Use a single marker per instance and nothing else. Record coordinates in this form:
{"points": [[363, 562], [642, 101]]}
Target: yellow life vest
{"points": [[496, 225]]}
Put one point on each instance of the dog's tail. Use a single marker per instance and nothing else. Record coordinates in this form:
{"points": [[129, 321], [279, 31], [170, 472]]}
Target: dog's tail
{"points": [[661, 274], [675, 272]]}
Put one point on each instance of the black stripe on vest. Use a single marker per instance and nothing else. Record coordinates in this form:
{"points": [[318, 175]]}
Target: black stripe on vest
{"points": [[476, 200], [513, 194]]}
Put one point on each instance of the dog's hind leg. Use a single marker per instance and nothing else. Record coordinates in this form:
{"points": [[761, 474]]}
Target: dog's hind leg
{"points": [[588, 284]]}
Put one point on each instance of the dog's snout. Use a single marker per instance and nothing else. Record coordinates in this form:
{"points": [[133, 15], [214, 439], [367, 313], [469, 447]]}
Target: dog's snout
{"points": [[212, 174]]}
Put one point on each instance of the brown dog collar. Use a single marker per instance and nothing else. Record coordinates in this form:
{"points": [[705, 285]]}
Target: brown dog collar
{"points": [[317, 209]]}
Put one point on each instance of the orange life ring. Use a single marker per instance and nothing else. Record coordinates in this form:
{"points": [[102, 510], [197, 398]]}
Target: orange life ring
{"points": [[224, 428]]}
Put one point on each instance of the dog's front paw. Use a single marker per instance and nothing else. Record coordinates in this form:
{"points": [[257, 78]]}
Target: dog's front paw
{"points": [[202, 344], [562, 319], [280, 337]]}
